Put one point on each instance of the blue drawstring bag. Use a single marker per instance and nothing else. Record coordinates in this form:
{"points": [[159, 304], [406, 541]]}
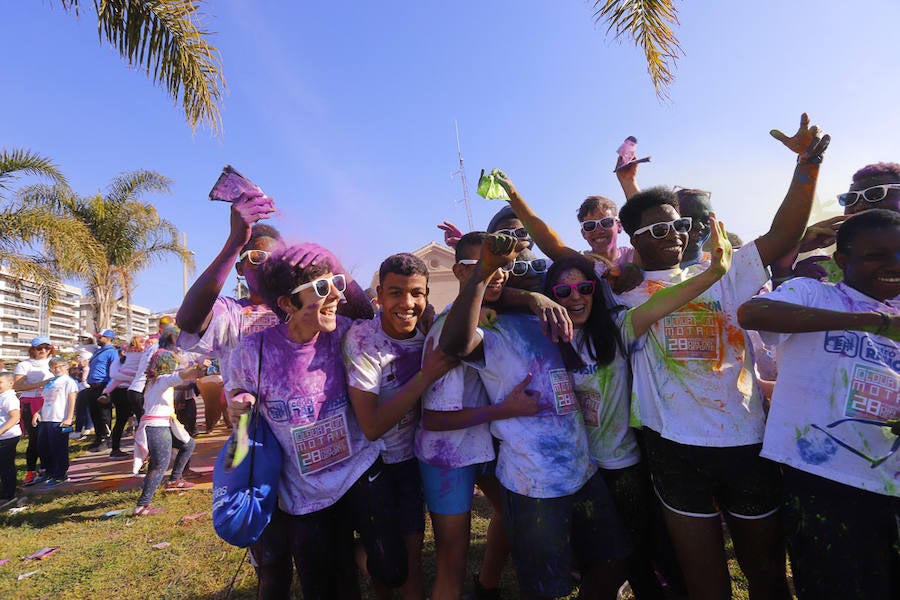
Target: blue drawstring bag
{"points": [[244, 496]]}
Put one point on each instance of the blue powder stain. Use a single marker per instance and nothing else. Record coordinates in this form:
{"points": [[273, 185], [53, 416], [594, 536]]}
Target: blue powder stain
{"points": [[816, 452]]}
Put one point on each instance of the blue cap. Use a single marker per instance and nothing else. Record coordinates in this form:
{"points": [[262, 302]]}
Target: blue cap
{"points": [[41, 340], [108, 333]]}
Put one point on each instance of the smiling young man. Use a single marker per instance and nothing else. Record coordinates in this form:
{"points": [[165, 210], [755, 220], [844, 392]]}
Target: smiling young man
{"points": [[695, 392], [835, 398], [382, 357]]}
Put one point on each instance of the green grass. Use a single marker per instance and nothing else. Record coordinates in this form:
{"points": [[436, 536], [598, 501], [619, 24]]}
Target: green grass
{"points": [[114, 558]]}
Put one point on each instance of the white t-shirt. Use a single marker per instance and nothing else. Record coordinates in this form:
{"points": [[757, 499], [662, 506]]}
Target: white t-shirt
{"points": [[694, 380], [460, 388], [231, 321], [604, 392], [545, 455], [139, 382], [159, 399], [304, 400], [381, 365], [56, 396], [8, 403], [35, 371], [827, 377]]}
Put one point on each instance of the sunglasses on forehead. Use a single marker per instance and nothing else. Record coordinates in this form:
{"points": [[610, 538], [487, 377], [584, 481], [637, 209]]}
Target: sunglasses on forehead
{"points": [[592, 224], [564, 290], [536, 265], [873, 194], [322, 285], [661, 229], [256, 257], [520, 233]]}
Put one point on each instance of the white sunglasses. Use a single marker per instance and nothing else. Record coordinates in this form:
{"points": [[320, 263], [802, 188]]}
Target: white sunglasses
{"points": [[475, 261], [322, 285], [661, 229], [873, 194], [256, 257]]}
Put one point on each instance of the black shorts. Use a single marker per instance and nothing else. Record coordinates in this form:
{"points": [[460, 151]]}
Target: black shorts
{"points": [[701, 481], [407, 496], [843, 541], [549, 537]]}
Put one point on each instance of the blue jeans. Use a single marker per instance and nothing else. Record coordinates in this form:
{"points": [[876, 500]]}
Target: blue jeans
{"points": [[8, 467], [53, 446], [159, 443]]}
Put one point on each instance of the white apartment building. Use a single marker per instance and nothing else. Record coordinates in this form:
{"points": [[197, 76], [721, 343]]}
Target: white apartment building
{"points": [[23, 316]]}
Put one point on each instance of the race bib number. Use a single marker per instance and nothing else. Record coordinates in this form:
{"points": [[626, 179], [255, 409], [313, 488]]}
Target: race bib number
{"points": [[590, 408], [691, 336], [254, 320], [322, 444], [873, 394], [563, 392]]}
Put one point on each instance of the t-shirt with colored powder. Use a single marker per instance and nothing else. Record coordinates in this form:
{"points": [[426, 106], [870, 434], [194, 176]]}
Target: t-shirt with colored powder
{"points": [[458, 389], [835, 392], [231, 321], [56, 397], [626, 255], [694, 380], [8, 403], [604, 392], [545, 455], [159, 398], [381, 365], [303, 397]]}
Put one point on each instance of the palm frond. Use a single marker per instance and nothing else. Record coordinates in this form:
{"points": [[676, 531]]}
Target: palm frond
{"points": [[131, 185], [34, 270], [165, 39], [648, 23], [19, 161]]}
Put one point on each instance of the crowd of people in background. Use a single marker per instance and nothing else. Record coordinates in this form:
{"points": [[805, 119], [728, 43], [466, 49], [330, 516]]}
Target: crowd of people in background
{"points": [[616, 406]]}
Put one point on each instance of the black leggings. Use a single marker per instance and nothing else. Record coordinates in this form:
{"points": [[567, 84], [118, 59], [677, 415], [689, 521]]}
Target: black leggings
{"points": [[119, 397], [30, 433]]}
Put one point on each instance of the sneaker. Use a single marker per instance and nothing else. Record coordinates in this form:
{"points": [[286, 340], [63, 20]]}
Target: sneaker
{"points": [[55, 482], [75, 435], [179, 484], [95, 448], [118, 454], [147, 511], [30, 476], [8, 502]]}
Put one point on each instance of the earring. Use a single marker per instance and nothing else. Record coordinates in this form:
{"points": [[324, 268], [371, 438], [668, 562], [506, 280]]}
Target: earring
{"points": [[287, 318]]}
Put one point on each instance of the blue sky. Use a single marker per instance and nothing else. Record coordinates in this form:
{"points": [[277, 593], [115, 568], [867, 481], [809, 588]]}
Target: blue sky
{"points": [[343, 112]]}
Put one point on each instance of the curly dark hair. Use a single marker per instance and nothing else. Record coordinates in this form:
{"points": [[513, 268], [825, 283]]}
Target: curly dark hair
{"points": [[404, 264], [630, 214], [473, 238], [877, 171], [280, 276], [870, 219]]}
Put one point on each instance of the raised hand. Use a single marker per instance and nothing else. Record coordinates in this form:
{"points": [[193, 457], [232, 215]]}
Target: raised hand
{"points": [[721, 251], [249, 208], [497, 250], [506, 183], [555, 321], [821, 234], [452, 233], [809, 143]]}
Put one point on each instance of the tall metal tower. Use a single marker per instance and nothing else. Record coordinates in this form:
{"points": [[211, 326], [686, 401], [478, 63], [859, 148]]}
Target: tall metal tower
{"points": [[462, 176]]}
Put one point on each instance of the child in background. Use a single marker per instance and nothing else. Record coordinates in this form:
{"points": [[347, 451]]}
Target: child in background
{"points": [[56, 418], [159, 430], [10, 433]]}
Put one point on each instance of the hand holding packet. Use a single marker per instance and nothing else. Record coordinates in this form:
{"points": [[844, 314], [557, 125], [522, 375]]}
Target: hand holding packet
{"points": [[230, 185], [627, 152], [489, 188]]}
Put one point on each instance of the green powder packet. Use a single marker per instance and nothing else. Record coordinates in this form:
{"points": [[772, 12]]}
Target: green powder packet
{"points": [[489, 188]]}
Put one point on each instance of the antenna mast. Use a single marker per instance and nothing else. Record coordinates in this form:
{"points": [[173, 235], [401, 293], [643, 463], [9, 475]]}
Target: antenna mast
{"points": [[462, 176]]}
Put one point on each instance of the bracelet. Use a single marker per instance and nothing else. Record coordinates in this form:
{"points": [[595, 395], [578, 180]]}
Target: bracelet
{"points": [[885, 322]]}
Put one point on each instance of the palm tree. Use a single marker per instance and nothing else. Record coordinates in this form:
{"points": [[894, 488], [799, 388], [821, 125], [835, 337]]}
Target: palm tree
{"points": [[128, 232], [648, 23], [165, 39], [26, 230]]}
